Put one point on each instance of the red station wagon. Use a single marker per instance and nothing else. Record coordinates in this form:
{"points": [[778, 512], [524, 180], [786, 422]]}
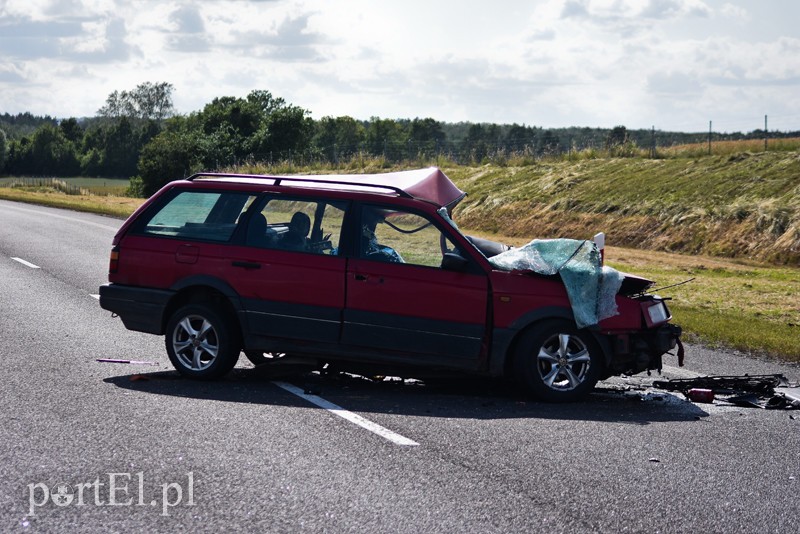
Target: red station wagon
{"points": [[367, 272]]}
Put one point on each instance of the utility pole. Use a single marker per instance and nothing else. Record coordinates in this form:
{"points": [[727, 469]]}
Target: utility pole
{"points": [[653, 143], [765, 133], [709, 138]]}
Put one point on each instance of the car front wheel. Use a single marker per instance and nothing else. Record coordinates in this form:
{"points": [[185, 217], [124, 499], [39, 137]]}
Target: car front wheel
{"points": [[557, 362], [201, 343]]}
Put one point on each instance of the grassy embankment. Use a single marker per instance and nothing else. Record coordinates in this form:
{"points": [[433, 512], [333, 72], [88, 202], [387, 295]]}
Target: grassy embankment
{"points": [[730, 220]]}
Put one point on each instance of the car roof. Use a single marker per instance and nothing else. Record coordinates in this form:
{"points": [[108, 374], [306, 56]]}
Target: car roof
{"points": [[429, 184]]}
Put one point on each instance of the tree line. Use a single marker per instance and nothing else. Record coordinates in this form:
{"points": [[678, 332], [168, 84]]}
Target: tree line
{"points": [[136, 134]]}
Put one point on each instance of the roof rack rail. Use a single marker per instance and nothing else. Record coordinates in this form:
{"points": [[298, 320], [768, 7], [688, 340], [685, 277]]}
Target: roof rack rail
{"points": [[319, 179]]}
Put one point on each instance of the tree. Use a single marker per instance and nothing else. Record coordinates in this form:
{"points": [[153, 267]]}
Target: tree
{"points": [[72, 130], [52, 153], [171, 155], [549, 144], [265, 101], [113, 148], [616, 137], [19, 158], [148, 101], [386, 137], [3, 149], [480, 140], [338, 137], [519, 138], [241, 116], [426, 135], [290, 128], [121, 149], [235, 128]]}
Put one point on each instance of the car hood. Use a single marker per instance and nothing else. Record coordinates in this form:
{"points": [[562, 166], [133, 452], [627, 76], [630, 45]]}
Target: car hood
{"points": [[634, 285], [591, 287]]}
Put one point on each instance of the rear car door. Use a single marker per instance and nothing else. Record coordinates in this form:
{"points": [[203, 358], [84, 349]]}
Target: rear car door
{"points": [[288, 272], [399, 298]]}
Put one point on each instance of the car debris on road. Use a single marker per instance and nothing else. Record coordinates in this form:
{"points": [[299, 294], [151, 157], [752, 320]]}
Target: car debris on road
{"points": [[752, 391]]}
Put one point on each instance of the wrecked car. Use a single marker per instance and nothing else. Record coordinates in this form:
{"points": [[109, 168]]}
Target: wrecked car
{"points": [[370, 272]]}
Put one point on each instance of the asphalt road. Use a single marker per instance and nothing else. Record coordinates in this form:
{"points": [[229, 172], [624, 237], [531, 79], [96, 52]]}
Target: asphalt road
{"points": [[88, 446]]}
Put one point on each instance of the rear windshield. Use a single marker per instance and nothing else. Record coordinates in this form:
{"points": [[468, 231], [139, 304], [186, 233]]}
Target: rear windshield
{"points": [[203, 215]]}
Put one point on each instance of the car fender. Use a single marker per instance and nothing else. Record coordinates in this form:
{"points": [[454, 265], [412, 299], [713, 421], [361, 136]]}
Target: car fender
{"points": [[203, 282], [503, 339]]}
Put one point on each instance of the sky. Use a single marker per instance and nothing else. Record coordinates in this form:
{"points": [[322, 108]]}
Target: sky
{"points": [[672, 65]]}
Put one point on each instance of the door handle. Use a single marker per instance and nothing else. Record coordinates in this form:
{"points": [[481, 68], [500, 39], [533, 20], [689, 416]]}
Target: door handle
{"points": [[247, 264], [366, 278]]}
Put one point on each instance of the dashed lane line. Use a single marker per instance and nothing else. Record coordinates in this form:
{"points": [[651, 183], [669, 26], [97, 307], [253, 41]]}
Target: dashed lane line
{"points": [[345, 414], [26, 263]]}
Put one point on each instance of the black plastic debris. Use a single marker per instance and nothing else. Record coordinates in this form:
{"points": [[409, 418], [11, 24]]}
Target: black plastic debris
{"points": [[759, 384], [785, 398], [750, 391], [748, 400]]}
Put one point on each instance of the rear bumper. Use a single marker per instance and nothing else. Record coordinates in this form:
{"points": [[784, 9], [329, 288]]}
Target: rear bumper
{"points": [[140, 309]]}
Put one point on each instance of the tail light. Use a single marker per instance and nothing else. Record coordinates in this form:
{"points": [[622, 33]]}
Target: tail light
{"points": [[113, 263]]}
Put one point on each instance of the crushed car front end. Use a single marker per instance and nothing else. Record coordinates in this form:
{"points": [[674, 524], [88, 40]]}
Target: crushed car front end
{"points": [[640, 335]]}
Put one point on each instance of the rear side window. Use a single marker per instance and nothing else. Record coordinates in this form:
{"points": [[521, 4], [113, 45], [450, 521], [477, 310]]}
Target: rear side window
{"points": [[201, 215], [298, 225]]}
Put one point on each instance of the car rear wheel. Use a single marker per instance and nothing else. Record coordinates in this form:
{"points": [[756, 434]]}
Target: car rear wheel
{"points": [[201, 343], [557, 362]]}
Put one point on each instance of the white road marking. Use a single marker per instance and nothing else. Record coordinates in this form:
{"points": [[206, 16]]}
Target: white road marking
{"points": [[95, 296], [350, 416], [26, 263], [73, 219]]}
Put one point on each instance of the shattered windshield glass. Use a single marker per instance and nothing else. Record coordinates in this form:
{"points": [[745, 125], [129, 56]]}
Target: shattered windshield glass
{"points": [[591, 287]]}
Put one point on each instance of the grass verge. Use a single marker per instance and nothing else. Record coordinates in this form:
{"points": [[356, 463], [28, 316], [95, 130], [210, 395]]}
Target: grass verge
{"points": [[734, 303], [101, 205]]}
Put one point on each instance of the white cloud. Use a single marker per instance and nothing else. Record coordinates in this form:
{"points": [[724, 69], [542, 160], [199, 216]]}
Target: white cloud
{"points": [[666, 63]]}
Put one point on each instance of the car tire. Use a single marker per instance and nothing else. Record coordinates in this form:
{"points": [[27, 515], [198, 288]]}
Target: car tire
{"points": [[201, 343], [556, 362]]}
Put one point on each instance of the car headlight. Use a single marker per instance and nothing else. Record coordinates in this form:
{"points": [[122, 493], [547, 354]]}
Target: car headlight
{"points": [[656, 313]]}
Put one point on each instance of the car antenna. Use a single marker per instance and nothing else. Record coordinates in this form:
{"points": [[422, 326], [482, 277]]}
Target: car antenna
{"points": [[673, 285]]}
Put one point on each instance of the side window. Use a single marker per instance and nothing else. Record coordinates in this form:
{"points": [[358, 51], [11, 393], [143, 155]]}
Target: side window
{"points": [[401, 237], [202, 215], [298, 225]]}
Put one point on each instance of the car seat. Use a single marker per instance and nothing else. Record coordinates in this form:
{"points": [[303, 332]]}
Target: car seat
{"points": [[295, 238], [257, 231]]}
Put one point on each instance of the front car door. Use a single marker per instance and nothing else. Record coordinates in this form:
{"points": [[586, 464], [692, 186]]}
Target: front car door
{"points": [[401, 300]]}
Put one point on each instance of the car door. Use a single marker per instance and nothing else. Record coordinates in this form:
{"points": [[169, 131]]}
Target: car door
{"points": [[288, 273], [400, 299]]}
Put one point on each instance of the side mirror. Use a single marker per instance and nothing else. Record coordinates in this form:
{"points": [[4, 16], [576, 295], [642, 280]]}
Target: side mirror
{"points": [[454, 262]]}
